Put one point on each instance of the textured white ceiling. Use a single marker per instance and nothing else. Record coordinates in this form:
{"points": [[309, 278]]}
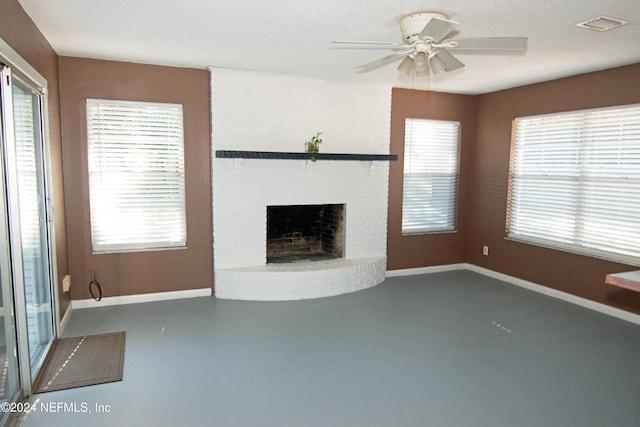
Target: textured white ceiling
{"points": [[292, 36]]}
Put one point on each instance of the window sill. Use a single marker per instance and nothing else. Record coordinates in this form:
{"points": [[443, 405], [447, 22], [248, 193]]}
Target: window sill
{"points": [[127, 251], [426, 233], [605, 256]]}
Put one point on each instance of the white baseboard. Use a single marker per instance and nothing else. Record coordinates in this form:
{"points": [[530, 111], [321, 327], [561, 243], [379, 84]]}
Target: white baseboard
{"points": [[564, 296], [426, 270], [583, 302], [65, 319], [163, 296], [140, 298]]}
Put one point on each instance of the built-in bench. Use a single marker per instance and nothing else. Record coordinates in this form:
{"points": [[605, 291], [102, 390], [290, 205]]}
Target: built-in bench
{"points": [[627, 280]]}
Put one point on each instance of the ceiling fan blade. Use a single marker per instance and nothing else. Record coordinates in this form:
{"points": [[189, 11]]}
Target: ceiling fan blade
{"points": [[445, 60], [490, 43], [369, 42], [382, 61], [437, 29]]}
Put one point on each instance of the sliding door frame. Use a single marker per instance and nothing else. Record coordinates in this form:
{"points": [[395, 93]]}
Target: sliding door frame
{"points": [[29, 75]]}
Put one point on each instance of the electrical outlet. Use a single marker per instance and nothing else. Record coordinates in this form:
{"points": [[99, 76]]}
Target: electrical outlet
{"points": [[66, 283], [485, 250]]}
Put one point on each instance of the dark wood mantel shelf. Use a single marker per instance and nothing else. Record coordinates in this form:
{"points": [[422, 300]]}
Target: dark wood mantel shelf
{"points": [[227, 154], [627, 280]]}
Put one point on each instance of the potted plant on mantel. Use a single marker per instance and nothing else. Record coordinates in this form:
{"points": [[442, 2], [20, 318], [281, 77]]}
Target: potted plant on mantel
{"points": [[313, 146]]}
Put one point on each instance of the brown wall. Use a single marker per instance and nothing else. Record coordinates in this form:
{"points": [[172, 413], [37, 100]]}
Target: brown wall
{"points": [[482, 192], [579, 275], [484, 166], [439, 248], [137, 272], [19, 32]]}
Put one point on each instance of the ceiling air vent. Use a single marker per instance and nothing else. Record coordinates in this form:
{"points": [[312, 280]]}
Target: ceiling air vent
{"points": [[602, 23]]}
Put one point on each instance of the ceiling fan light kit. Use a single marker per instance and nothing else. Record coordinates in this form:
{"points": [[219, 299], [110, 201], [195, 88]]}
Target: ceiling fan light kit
{"points": [[421, 64], [425, 47]]}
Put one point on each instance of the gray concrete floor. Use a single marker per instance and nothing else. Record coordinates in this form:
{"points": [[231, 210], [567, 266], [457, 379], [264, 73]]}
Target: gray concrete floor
{"points": [[446, 349]]}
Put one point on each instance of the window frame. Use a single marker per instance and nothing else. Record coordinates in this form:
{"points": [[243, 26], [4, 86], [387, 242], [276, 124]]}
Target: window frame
{"points": [[447, 167], [156, 183], [585, 179]]}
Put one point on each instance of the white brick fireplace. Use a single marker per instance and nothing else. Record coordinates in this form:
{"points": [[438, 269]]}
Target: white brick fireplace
{"points": [[254, 111]]}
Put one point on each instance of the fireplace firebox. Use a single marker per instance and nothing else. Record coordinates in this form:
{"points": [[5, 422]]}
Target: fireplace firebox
{"points": [[297, 233]]}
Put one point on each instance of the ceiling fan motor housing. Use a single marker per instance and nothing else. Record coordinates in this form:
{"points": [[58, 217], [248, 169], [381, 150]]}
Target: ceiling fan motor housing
{"points": [[412, 25], [425, 47]]}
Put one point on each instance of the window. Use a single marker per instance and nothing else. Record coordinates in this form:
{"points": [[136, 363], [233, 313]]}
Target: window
{"points": [[575, 182], [430, 175], [136, 175]]}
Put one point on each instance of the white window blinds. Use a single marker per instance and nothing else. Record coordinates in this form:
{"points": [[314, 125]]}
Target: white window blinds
{"points": [[136, 175], [575, 182], [430, 175], [26, 105]]}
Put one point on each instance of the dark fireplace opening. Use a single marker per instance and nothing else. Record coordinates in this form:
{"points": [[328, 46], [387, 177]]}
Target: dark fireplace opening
{"points": [[298, 233]]}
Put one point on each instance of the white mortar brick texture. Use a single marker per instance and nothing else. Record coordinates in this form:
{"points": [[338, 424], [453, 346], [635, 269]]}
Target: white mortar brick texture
{"points": [[324, 279], [241, 203], [267, 112], [272, 112]]}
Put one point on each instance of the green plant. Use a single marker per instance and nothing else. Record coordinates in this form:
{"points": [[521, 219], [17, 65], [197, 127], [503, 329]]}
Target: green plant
{"points": [[313, 146]]}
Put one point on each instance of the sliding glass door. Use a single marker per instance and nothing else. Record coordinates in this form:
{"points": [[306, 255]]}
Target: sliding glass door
{"points": [[29, 163], [27, 269], [9, 380]]}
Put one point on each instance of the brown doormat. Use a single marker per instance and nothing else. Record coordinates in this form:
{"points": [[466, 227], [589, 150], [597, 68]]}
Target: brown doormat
{"points": [[82, 361]]}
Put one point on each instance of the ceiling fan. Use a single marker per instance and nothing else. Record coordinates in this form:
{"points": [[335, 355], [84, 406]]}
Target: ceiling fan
{"points": [[425, 47]]}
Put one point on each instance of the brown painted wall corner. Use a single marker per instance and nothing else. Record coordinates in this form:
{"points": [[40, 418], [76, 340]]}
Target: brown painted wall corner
{"points": [[137, 272], [438, 248], [18, 31], [575, 274]]}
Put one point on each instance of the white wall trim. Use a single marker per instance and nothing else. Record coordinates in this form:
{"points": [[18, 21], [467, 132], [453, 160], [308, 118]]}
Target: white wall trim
{"points": [[427, 270], [554, 293], [65, 319], [22, 65], [599, 307], [140, 298], [163, 296]]}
